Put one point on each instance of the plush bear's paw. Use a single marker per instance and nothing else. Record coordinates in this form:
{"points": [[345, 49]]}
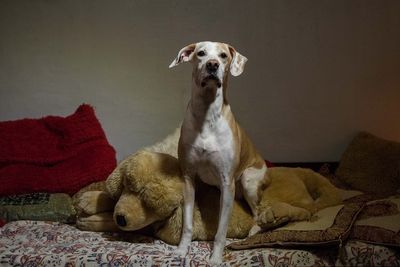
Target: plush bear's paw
{"points": [[302, 215], [279, 213], [93, 202], [101, 222], [271, 216], [292, 212], [266, 215], [87, 202]]}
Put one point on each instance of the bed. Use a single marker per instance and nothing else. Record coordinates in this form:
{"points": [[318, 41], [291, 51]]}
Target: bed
{"points": [[40, 243], [40, 231]]}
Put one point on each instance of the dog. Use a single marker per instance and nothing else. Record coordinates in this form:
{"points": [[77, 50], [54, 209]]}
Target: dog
{"points": [[212, 145]]}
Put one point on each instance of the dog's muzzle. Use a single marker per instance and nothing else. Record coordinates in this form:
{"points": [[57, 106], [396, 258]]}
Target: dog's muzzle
{"points": [[211, 68]]}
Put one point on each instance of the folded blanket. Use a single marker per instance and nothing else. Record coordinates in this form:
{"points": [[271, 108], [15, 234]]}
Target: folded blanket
{"points": [[54, 154]]}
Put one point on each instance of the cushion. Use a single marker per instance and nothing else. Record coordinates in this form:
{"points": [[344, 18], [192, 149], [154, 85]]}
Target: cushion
{"points": [[54, 154], [38, 206], [378, 223], [371, 164], [328, 226], [325, 170]]}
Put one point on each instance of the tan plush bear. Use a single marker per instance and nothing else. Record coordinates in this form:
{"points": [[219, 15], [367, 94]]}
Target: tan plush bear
{"points": [[145, 191], [294, 194]]}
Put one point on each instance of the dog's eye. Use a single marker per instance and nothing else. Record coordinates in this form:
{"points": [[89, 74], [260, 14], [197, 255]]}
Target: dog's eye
{"points": [[223, 55], [201, 53]]}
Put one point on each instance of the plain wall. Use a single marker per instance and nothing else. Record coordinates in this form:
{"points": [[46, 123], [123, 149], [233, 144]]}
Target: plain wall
{"points": [[318, 71]]}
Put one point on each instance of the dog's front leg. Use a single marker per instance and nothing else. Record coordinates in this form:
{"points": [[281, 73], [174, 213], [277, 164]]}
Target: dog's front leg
{"points": [[225, 210], [187, 230]]}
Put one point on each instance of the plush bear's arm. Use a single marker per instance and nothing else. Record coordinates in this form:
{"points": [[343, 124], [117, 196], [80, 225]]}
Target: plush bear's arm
{"points": [[102, 222], [93, 202]]}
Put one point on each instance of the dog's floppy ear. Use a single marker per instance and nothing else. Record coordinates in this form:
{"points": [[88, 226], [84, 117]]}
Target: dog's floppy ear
{"points": [[184, 55], [238, 62]]}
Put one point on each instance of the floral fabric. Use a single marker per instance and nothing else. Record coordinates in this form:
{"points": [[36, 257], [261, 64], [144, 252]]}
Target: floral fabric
{"points": [[38, 243]]}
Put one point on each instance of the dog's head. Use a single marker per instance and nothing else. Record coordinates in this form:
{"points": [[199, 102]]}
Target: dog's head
{"points": [[212, 61]]}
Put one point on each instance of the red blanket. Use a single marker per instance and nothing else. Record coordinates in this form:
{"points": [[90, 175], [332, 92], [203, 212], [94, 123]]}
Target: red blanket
{"points": [[54, 154]]}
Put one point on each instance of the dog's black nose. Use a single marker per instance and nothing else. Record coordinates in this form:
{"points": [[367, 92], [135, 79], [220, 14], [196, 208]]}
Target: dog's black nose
{"points": [[212, 66], [121, 220]]}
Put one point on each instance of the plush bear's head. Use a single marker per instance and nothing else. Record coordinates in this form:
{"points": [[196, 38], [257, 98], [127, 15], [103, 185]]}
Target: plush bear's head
{"points": [[148, 187]]}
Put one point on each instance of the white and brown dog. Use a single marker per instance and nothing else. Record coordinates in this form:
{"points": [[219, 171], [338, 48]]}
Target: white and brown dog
{"points": [[212, 145]]}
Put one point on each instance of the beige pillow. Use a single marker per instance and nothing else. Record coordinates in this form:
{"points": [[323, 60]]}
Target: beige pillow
{"points": [[328, 226], [371, 164]]}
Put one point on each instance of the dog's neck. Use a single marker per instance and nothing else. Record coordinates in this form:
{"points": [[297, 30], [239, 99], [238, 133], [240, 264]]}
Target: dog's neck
{"points": [[207, 103]]}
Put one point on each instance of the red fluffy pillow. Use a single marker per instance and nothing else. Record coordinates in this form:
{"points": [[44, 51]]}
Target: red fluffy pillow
{"points": [[54, 154]]}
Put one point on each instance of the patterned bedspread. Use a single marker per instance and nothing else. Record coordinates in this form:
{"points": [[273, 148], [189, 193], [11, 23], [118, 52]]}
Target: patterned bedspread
{"points": [[31, 243]]}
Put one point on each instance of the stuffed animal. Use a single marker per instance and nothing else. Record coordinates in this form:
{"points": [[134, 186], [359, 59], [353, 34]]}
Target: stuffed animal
{"points": [[145, 192]]}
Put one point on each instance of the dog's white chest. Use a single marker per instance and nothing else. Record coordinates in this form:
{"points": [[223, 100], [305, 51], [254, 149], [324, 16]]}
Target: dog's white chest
{"points": [[211, 150], [214, 139]]}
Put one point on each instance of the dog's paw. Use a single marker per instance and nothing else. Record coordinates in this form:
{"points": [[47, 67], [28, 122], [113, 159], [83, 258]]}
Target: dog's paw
{"points": [[215, 260], [216, 257], [181, 251]]}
